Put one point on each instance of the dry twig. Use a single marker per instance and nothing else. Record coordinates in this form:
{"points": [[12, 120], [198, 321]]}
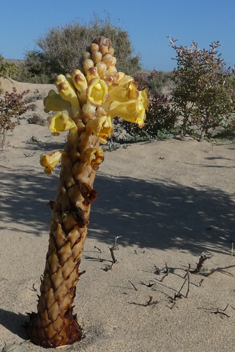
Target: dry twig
{"points": [[221, 270], [132, 285], [150, 301], [202, 259], [166, 273], [98, 249], [114, 247], [186, 278]]}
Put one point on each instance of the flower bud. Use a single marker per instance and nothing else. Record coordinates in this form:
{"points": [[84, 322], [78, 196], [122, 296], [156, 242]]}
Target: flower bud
{"points": [[108, 59], [111, 70], [111, 51], [101, 68], [104, 50], [94, 47], [86, 55], [80, 81], [76, 72], [88, 63], [59, 79], [96, 56], [102, 41], [114, 61]]}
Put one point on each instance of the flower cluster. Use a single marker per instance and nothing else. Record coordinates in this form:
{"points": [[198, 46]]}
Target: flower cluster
{"points": [[93, 95], [160, 115]]}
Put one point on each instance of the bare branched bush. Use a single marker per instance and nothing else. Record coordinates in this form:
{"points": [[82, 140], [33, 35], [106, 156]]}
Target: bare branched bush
{"points": [[12, 106]]}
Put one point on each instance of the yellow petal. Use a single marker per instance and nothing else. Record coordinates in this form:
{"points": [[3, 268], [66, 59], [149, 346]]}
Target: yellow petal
{"points": [[101, 127], [143, 97], [97, 91], [68, 93], [54, 102], [133, 110], [50, 160], [93, 156], [125, 90], [60, 122]]}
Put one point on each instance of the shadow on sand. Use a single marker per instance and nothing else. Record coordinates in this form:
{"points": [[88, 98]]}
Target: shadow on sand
{"points": [[14, 322], [149, 214]]}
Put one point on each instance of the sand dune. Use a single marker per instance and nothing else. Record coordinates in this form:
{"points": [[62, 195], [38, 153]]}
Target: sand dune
{"points": [[169, 200]]}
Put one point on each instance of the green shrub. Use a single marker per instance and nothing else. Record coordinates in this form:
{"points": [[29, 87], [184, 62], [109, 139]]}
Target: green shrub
{"points": [[203, 95], [8, 69], [35, 69], [60, 49]]}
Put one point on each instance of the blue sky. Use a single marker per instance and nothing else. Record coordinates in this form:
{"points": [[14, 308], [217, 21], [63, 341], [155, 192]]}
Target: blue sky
{"points": [[148, 22]]}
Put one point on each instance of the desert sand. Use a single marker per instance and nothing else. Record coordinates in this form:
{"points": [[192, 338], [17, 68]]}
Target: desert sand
{"points": [[169, 201]]}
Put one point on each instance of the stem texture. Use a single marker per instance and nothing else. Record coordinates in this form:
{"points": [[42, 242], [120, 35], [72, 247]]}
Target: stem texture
{"points": [[54, 324]]}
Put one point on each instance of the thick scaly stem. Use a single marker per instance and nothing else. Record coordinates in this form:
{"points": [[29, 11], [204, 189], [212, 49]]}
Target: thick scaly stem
{"points": [[92, 96], [54, 324]]}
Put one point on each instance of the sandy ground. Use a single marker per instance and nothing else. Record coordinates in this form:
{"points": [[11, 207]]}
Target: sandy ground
{"points": [[170, 201]]}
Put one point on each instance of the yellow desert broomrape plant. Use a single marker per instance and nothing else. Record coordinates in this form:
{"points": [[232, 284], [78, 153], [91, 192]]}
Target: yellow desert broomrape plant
{"points": [[85, 105]]}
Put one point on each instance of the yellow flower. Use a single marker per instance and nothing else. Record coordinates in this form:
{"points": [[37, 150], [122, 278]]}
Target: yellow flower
{"points": [[97, 91], [68, 93], [50, 160], [101, 127], [60, 122], [133, 110], [54, 102], [80, 81], [93, 156], [124, 90]]}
